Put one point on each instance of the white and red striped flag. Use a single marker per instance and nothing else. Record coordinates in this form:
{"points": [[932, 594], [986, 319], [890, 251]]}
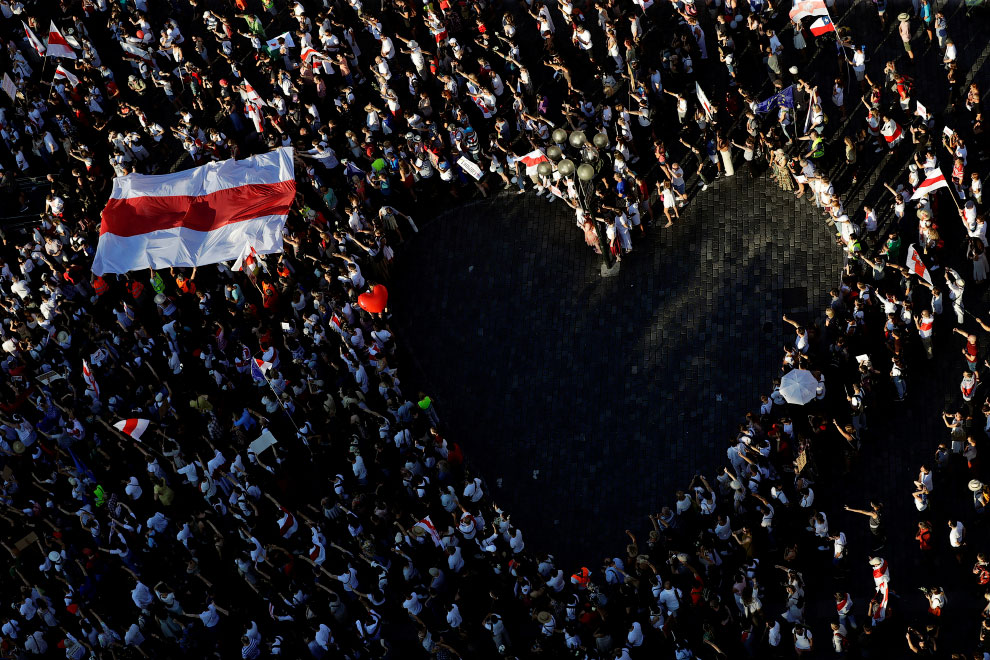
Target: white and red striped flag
{"points": [[805, 8], [248, 93], [916, 265], [427, 525], [253, 111], [57, 45], [90, 378], [308, 52], [132, 427], [532, 160], [703, 100], [249, 258], [200, 216], [934, 181], [135, 51], [61, 73], [34, 40]]}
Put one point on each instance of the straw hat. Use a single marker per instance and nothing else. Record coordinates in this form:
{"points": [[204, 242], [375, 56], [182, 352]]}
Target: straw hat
{"points": [[18, 447], [875, 561], [904, 16], [975, 485], [544, 617], [201, 403], [417, 531]]}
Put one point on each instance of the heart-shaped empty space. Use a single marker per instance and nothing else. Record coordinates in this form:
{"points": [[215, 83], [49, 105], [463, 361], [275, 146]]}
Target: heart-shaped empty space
{"points": [[616, 389]]}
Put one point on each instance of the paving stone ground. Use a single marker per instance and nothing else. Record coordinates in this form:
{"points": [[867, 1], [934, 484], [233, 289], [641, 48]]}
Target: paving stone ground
{"points": [[615, 389]]}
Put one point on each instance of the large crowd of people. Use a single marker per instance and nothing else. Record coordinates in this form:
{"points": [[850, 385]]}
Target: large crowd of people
{"points": [[163, 495]]}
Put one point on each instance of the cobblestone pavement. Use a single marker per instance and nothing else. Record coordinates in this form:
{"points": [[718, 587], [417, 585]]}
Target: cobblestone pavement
{"points": [[540, 364]]}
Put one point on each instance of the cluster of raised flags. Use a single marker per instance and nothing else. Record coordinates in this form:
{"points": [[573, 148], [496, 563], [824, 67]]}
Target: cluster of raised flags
{"points": [[57, 45]]}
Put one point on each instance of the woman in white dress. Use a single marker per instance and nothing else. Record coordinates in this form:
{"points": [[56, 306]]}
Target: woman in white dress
{"points": [[724, 147], [978, 255]]}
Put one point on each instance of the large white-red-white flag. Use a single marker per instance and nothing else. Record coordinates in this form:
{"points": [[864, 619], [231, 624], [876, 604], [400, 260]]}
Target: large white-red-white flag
{"points": [[201, 216], [132, 427], [34, 40], [934, 181], [57, 45], [805, 8], [916, 265], [61, 73], [532, 160]]}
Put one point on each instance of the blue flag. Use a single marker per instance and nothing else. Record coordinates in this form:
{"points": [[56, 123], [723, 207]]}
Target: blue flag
{"points": [[784, 97]]}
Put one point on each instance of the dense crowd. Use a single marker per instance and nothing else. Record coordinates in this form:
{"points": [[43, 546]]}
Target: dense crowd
{"points": [[319, 507]]}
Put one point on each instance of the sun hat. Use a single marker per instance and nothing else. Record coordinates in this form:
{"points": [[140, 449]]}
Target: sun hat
{"points": [[544, 617], [975, 485], [875, 561], [904, 16], [417, 531], [159, 298]]}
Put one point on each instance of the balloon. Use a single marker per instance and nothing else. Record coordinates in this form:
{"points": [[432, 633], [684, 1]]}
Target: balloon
{"points": [[559, 136], [566, 167], [577, 139], [544, 169], [600, 140], [586, 172], [554, 153], [374, 301]]}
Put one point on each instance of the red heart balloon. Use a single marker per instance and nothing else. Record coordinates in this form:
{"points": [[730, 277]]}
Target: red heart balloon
{"points": [[374, 301]]}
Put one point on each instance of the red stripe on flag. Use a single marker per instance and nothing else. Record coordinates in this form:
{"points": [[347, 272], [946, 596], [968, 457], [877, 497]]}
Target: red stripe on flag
{"points": [[141, 215], [129, 426], [56, 38]]}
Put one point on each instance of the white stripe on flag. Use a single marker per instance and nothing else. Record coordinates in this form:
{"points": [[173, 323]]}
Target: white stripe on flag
{"points": [[916, 265], [33, 40], [187, 247], [272, 167]]}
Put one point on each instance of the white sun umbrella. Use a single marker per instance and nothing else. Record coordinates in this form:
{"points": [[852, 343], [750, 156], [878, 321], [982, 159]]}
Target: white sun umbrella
{"points": [[798, 386]]}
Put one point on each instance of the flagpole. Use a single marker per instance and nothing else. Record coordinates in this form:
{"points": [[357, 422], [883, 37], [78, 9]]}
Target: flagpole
{"points": [[840, 46], [278, 398]]}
